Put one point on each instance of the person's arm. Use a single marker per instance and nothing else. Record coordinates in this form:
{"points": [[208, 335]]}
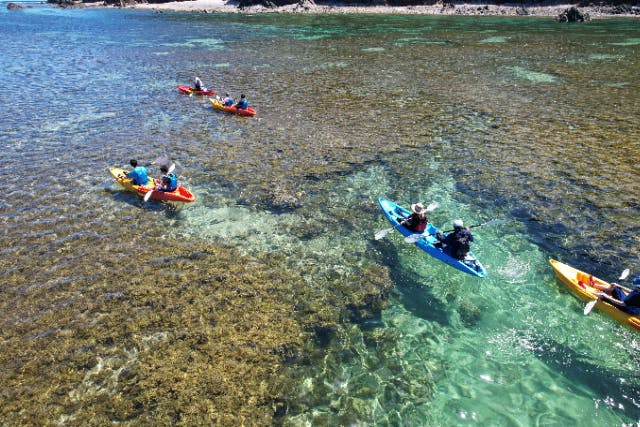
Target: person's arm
{"points": [[610, 298]]}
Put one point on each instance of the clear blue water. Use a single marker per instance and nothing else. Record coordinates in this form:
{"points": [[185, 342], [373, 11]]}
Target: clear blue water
{"points": [[513, 118]]}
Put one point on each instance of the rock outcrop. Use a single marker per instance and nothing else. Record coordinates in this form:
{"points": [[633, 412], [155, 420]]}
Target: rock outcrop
{"points": [[573, 15]]}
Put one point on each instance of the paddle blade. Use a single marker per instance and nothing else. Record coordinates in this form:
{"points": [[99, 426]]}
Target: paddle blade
{"points": [[589, 306], [413, 238], [380, 234], [624, 274], [147, 195], [172, 167], [432, 207]]}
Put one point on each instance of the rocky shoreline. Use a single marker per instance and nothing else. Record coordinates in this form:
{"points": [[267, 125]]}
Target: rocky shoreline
{"points": [[569, 12]]}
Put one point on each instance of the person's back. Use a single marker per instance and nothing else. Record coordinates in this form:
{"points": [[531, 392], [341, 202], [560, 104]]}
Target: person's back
{"points": [[227, 101], [169, 180], [243, 104], [171, 183], [197, 84], [458, 243], [418, 220], [139, 174]]}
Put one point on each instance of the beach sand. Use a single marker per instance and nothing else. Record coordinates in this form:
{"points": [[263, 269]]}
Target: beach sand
{"points": [[231, 6]]}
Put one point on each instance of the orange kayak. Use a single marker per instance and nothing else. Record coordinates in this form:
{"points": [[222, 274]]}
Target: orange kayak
{"points": [[180, 194], [233, 110], [582, 284]]}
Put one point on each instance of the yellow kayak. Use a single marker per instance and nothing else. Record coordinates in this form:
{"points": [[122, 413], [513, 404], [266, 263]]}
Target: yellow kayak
{"points": [[584, 285]]}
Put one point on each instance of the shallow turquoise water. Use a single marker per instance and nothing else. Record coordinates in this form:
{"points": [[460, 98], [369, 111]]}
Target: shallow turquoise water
{"points": [[511, 118]]}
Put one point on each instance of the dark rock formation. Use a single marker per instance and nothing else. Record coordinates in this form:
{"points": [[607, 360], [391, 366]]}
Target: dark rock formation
{"points": [[14, 6], [573, 15]]}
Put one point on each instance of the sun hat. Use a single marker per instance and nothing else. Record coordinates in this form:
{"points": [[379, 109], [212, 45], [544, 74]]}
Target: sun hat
{"points": [[417, 208], [458, 223]]}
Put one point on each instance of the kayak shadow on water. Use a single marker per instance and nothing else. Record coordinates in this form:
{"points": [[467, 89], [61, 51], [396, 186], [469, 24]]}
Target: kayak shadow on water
{"points": [[123, 196], [410, 289]]}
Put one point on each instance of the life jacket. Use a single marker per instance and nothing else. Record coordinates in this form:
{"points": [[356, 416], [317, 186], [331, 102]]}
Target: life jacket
{"points": [[417, 223], [242, 104], [462, 244], [173, 182]]}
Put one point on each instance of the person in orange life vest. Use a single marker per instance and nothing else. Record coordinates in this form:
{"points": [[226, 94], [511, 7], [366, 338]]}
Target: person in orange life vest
{"points": [[417, 221]]}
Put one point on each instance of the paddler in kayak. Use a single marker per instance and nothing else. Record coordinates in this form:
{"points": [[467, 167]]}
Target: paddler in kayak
{"points": [[197, 84], [457, 243], [243, 104], [169, 180], [227, 101], [139, 174], [417, 221], [623, 298]]}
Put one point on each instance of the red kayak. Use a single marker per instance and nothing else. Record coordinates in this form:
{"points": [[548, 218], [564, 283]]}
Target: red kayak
{"points": [[189, 90], [233, 110], [180, 194]]}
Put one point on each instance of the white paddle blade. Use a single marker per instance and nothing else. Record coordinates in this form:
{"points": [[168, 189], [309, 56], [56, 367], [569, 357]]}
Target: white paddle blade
{"points": [[413, 238], [432, 207], [589, 306], [380, 234], [172, 167], [624, 274], [147, 195]]}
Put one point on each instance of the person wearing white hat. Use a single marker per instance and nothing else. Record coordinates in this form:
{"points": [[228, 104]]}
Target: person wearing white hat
{"points": [[458, 242], [417, 221]]}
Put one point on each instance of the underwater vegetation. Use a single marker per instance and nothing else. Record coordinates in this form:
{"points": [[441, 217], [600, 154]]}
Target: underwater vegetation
{"points": [[185, 333]]}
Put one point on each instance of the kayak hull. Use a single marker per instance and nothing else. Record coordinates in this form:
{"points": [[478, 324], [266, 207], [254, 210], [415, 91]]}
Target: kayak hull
{"points": [[581, 284], [189, 90], [216, 104], [181, 194], [394, 214]]}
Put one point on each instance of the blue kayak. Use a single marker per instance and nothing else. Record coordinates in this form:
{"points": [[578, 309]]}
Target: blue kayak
{"points": [[395, 214]]}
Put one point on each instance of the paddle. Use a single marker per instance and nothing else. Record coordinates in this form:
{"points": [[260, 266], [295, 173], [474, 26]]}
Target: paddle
{"points": [[147, 195], [591, 304], [380, 234], [415, 237]]}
